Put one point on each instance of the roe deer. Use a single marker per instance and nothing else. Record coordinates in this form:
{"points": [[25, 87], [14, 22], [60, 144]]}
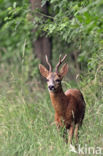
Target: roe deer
{"points": [[69, 106]]}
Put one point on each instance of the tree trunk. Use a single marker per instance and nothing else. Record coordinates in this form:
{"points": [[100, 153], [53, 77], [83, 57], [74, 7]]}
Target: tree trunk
{"points": [[42, 46]]}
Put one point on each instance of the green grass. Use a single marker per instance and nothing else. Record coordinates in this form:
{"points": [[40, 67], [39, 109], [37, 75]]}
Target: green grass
{"points": [[27, 120]]}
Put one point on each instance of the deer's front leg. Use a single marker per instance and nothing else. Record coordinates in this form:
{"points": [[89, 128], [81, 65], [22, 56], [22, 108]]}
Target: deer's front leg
{"points": [[60, 124], [57, 121]]}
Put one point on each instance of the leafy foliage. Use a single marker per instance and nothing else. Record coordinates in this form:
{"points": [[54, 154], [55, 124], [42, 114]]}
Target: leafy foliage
{"points": [[79, 23], [15, 36], [15, 30]]}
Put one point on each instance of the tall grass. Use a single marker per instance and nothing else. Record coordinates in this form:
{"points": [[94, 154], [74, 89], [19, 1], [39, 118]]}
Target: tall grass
{"points": [[27, 119]]}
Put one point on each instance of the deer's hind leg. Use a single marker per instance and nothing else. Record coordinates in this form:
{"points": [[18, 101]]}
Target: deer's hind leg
{"points": [[71, 132], [76, 132]]}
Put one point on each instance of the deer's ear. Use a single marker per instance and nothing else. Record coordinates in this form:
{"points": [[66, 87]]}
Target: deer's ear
{"points": [[44, 72], [64, 70]]}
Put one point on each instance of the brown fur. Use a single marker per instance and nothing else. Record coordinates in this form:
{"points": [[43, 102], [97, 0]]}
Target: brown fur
{"points": [[69, 106], [69, 110]]}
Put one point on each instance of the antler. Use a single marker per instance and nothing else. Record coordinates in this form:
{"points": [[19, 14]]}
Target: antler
{"points": [[60, 62], [50, 67]]}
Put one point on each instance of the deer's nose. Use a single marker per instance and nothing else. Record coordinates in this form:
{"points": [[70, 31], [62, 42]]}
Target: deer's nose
{"points": [[51, 87]]}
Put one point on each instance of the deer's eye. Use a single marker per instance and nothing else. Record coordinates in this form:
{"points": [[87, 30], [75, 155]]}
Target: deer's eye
{"points": [[47, 80], [57, 80]]}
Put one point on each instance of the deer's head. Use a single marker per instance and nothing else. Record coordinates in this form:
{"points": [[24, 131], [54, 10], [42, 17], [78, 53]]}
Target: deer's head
{"points": [[54, 78]]}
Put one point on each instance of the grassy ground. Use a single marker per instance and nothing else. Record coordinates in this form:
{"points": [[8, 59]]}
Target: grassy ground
{"points": [[27, 120]]}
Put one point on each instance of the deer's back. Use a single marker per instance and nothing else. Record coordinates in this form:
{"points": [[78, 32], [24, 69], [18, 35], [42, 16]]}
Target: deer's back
{"points": [[76, 106]]}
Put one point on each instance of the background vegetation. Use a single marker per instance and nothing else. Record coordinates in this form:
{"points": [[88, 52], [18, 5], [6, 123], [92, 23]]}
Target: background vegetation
{"points": [[26, 115]]}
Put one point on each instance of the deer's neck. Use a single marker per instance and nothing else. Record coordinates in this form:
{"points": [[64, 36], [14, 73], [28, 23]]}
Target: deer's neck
{"points": [[59, 101]]}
